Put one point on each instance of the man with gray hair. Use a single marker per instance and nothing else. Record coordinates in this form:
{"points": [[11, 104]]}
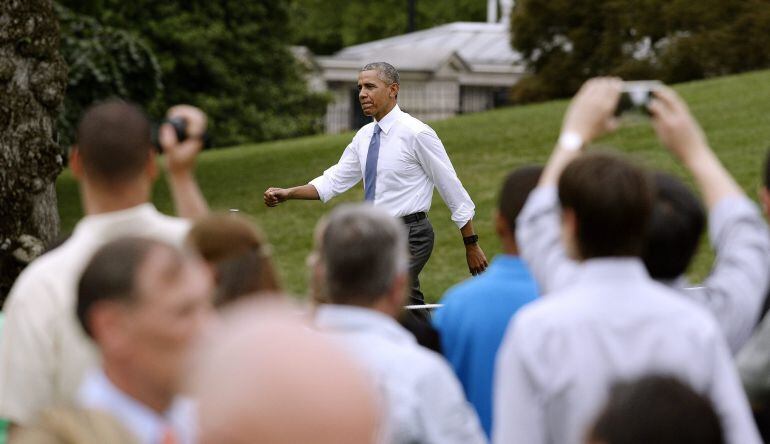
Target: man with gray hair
{"points": [[361, 268], [400, 160]]}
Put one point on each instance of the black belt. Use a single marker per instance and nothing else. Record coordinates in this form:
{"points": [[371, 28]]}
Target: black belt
{"points": [[415, 217]]}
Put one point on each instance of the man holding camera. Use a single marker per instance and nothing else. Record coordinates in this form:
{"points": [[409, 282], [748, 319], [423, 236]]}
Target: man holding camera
{"points": [[611, 321], [400, 160], [43, 352], [736, 286]]}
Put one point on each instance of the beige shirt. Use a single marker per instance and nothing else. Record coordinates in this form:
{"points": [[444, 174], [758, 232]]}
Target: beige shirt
{"points": [[43, 352]]}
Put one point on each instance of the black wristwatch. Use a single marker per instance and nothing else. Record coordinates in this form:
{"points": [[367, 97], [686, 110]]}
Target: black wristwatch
{"points": [[470, 240]]}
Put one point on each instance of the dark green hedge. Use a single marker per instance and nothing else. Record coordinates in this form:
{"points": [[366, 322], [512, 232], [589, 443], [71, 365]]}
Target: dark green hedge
{"points": [[567, 41]]}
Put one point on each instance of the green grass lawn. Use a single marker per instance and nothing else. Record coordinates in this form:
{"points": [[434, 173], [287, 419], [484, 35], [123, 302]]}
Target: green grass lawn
{"points": [[734, 111]]}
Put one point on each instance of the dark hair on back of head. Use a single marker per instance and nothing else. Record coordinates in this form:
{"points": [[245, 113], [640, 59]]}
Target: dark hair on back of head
{"points": [[113, 139], [612, 202], [676, 225], [516, 188], [657, 409], [111, 274]]}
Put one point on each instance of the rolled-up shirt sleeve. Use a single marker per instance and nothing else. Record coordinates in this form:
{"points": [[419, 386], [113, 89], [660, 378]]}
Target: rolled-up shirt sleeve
{"points": [[340, 177], [735, 289], [435, 162], [753, 363]]}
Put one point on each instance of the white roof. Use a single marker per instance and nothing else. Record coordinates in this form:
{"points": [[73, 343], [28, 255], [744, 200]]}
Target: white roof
{"points": [[476, 43], [480, 45]]}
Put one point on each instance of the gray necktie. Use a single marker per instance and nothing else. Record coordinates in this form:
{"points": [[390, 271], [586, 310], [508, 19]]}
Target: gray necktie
{"points": [[370, 173]]}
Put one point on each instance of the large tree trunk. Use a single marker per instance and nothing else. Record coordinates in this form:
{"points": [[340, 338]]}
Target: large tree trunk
{"points": [[32, 83]]}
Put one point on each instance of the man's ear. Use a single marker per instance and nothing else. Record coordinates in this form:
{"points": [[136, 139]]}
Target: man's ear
{"points": [[152, 166], [502, 226], [394, 88], [106, 321], [317, 272], [76, 163], [398, 292], [569, 226]]}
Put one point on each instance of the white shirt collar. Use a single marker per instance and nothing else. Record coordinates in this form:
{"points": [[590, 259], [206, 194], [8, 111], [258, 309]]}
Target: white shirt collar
{"points": [[612, 268], [348, 318], [96, 224], [99, 393], [392, 117], [678, 283]]}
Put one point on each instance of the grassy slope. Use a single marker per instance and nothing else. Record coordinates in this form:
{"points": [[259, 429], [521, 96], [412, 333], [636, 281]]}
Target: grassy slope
{"points": [[483, 147]]}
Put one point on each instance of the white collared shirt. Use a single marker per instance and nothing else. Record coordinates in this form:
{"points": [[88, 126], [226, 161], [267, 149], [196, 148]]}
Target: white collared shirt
{"points": [[733, 291], [99, 393], [411, 161], [424, 400], [43, 352], [562, 353]]}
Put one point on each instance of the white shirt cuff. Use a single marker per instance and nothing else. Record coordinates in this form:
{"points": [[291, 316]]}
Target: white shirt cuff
{"points": [[321, 185], [462, 217]]}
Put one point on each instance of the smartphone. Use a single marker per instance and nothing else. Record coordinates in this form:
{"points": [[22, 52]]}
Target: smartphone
{"points": [[636, 97]]}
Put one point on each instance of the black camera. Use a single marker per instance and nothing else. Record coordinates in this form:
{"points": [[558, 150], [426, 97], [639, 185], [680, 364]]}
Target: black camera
{"points": [[180, 128]]}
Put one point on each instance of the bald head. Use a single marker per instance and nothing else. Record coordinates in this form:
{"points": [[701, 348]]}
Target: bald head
{"points": [[265, 374]]}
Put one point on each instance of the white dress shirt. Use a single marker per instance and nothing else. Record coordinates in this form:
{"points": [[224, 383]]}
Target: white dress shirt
{"points": [[424, 400], [149, 427], [43, 352], [412, 160], [733, 292], [754, 363], [562, 353]]}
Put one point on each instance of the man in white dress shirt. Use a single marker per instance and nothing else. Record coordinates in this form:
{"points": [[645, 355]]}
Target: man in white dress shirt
{"points": [[612, 323], [361, 268], [143, 302], [400, 160], [43, 353]]}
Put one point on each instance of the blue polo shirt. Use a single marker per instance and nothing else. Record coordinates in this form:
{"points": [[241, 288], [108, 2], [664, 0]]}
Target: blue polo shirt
{"points": [[472, 324]]}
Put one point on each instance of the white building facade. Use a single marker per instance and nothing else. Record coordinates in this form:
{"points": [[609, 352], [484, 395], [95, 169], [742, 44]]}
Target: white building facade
{"points": [[456, 68]]}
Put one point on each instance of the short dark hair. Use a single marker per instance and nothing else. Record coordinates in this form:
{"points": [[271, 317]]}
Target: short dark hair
{"points": [[114, 141], [658, 409], [612, 202], [675, 228], [385, 72], [767, 170], [516, 188], [362, 251], [111, 274]]}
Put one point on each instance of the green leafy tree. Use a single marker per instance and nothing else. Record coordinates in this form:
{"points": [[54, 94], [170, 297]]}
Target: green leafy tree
{"points": [[230, 58], [326, 26], [565, 42], [103, 62]]}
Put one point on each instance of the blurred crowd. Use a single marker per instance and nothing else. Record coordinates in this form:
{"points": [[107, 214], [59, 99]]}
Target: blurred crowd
{"points": [[151, 329]]}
